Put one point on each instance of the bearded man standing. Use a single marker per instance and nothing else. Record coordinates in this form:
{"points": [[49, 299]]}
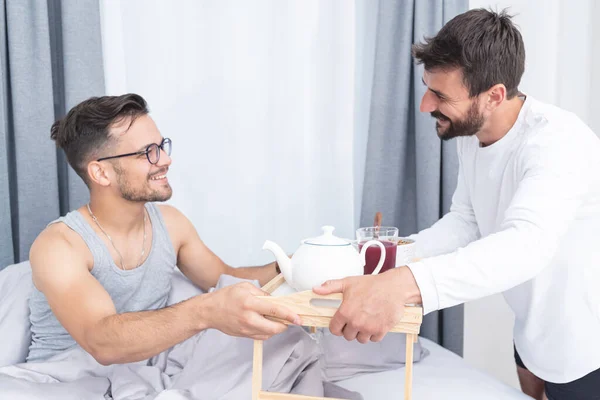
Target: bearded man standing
{"points": [[524, 220]]}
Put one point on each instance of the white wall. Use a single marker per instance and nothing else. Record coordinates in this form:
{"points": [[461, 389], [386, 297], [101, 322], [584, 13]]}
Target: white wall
{"points": [[560, 57], [258, 98]]}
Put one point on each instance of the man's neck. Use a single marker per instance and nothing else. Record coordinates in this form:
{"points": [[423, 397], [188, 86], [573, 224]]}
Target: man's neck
{"points": [[116, 214], [501, 121]]}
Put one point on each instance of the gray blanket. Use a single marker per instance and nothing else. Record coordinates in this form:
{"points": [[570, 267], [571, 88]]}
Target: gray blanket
{"points": [[210, 365]]}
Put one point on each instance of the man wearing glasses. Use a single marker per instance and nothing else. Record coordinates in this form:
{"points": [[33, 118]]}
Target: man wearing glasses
{"points": [[102, 273]]}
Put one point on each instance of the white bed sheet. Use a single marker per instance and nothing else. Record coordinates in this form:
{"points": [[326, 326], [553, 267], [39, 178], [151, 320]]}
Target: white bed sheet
{"points": [[440, 375]]}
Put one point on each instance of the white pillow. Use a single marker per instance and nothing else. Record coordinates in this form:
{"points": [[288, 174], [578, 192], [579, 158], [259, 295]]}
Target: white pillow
{"points": [[15, 333]]}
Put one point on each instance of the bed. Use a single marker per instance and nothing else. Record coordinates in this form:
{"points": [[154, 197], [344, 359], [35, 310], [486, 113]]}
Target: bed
{"points": [[441, 374]]}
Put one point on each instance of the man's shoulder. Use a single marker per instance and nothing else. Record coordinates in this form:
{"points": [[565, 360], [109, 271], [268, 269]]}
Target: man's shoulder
{"points": [[546, 117], [558, 139], [56, 239], [171, 214], [55, 234], [545, 127], [167, 209], [177, 224]]}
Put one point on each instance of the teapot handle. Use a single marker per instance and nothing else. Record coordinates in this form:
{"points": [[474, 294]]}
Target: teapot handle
{"points": [[381, 258]]}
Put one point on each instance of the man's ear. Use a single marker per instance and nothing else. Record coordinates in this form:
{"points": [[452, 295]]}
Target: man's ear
{"points": [[99, 173], [495, 96]]}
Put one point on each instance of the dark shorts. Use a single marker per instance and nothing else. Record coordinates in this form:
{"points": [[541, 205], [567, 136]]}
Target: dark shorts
{"points": [[586, 388]]}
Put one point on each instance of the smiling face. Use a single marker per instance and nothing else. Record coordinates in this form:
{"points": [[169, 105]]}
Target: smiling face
{"points": [[447, 100], [135, 177]]}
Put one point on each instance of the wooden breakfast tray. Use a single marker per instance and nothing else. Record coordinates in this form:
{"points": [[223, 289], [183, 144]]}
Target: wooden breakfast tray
{"points": [[315, 316]]}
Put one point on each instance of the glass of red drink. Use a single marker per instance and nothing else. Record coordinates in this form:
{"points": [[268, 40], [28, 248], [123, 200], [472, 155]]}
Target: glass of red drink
{"points": [[388, 236]]}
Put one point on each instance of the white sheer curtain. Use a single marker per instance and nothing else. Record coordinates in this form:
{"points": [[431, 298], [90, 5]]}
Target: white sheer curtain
{"points": [[258, 98]]}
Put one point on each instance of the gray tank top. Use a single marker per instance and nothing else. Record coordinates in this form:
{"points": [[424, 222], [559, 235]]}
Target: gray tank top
{"points": [[146, 287]]}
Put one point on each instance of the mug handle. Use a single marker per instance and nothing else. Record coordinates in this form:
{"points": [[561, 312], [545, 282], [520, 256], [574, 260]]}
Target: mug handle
{"points": [[381, 258]]}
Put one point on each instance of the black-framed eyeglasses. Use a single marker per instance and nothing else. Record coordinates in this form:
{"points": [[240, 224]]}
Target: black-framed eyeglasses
{"points": [[152, 152]]}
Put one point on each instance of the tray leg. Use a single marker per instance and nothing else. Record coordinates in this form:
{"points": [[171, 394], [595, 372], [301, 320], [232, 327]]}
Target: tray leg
{"points": [[257, 362], [410, 338]]}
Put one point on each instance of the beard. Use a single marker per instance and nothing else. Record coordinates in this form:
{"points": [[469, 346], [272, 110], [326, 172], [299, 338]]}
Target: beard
{"points": [[468, 126], [142, 193]]}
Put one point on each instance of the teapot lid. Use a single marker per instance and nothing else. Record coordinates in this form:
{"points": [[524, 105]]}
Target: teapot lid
{"points": [[327, 238]]}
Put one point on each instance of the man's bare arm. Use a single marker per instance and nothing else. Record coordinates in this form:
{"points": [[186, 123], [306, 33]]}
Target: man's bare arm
{"points": [[85, 309], [263, 274], [198, 262]]}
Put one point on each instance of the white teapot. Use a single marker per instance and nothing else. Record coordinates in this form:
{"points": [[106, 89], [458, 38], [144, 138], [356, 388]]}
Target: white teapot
{"points": [[321, 259]]}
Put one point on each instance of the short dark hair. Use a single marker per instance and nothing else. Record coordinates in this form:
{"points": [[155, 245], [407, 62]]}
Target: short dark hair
{"points": [[485, 44], [84, 132]]}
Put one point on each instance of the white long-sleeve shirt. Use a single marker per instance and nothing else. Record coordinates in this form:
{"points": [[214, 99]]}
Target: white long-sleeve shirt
{"points": [[525, 221]]}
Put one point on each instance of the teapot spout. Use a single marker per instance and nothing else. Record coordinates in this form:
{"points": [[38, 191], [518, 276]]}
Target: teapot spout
{"points": [[285, 263]]}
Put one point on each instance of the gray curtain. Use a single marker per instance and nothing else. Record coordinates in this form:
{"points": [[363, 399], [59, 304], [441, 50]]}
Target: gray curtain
{"points": [[50, 59], [410, 175]]}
